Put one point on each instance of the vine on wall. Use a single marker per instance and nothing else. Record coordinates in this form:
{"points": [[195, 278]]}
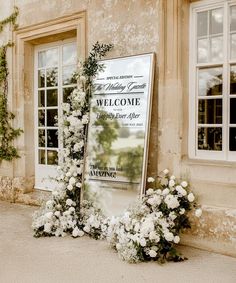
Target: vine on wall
{"points": [[7, 132]]}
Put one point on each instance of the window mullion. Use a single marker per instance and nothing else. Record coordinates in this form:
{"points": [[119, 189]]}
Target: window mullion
{"points": [[226, 82]]}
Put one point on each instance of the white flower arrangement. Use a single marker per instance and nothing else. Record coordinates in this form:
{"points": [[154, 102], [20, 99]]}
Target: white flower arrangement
{"points": [[149, 230]]}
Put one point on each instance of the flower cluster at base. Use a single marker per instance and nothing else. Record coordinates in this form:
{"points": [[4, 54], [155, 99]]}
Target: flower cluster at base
{"points": [[151, 228]]}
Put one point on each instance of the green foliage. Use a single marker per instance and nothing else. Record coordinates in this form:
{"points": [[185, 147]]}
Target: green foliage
{"points": [[10, 20], [105, 138], [131, 162], [7, 132], [91, 65]]}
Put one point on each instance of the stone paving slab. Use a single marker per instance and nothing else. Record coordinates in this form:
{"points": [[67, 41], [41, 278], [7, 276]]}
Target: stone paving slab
{"points": [[25, 259]]}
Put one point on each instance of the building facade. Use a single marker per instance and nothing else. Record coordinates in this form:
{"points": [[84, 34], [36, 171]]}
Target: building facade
{"points": [[193, 119]]}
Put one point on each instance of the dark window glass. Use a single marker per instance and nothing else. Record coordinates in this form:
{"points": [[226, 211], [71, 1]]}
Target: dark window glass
{"points": [[52, 157], [52, 138], [210, 138], [41, 156], [210, 111], [41, 138], [232, 139], [52, 97]]}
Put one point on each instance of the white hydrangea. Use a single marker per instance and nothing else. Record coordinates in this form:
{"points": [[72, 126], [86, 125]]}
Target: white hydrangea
{"points": [[166, 171], [191, 197], [69, 202], [198, 212], [152, 253], [171, 183], [171, 201], [150, 180], [184, 184]]}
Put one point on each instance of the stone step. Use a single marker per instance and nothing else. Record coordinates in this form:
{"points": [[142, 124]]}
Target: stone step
{"points": [[35, 198]]}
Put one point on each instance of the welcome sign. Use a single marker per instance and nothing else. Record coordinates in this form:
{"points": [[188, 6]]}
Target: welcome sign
{"points": [[119, 127]]}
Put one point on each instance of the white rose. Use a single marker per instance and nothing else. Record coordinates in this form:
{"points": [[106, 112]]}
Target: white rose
{"points": [[86, 229], [68, 174], [57, 213], [176, 239], [78, 185], [72, 181], [184, 184], [166, 171], [171, 201], [191, 197], [69, 202], [70, 187], [150, 180], [153, 236], [150, 191], [198, 212], [142, 242], [77, 232], [171, 183], [169, 236], [71, 209], [166, 191], [172, 177], [182, 211], [181, 191], [152, 253], [47, 227]]}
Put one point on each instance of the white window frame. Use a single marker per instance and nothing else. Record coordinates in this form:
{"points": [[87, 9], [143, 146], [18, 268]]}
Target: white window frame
{"points": [[44, 172], [194, 153]]}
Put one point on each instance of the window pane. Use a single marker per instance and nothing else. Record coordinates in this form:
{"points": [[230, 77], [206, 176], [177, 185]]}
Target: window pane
{"points": [[41, 156], [233, 18], [210, 111], [210, 138], [233, 46], [41, 59], [232, 139], [232, 110], [202, 23], [69, 54], [41, 78], [41, 138], [69, 75], [41, 117], [66, 92], [216, 21], [216, 49], [52, 117], [52, 139], [210, 81], [202, 52], [52, 97], [52, 157], [41, 98], [52, 77], [48, 58], [233, 80]]}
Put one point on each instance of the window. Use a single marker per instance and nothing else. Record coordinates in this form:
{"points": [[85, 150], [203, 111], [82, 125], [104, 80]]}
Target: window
{"points": [[212, 80], [55, 79]]}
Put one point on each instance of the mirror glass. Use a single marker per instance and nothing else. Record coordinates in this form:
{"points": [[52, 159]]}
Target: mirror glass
{"points": [[119, 129]]}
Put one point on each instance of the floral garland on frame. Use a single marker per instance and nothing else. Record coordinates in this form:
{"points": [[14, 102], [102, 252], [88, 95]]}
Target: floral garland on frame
{"points": [[60, 215], [148, 230]]}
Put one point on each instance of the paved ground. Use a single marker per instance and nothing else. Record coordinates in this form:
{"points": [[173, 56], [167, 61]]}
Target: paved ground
{"points": [[24, 259]]}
